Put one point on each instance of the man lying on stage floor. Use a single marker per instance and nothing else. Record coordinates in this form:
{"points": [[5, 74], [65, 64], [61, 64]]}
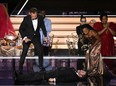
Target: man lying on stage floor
{"points": [[61, 74]]}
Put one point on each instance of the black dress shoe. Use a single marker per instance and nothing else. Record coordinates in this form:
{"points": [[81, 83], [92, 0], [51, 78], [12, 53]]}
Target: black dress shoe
{"points": [[42, 69], [15, 75], [20, 72]]}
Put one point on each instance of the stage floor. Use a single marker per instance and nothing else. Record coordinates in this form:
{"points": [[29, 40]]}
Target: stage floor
{"points": [[7, 76]]}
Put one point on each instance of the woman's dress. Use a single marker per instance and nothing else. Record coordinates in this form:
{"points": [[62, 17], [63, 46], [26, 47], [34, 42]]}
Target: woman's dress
{"points": [[94, 63]]}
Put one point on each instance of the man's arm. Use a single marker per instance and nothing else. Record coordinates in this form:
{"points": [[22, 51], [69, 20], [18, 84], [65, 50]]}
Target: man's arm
{"points": [[22, 31], [48, 25], [43, 28], [77, 30], [22, 28]]}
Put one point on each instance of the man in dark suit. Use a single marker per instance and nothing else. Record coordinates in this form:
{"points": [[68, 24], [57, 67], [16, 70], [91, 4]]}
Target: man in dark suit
{"points": [[58, 75], [29, 30]]}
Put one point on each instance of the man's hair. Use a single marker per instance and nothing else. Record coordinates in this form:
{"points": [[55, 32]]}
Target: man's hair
{"points": [[82, 17], [33, 10]]}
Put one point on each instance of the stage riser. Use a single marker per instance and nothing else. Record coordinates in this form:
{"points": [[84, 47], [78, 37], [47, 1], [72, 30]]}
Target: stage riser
{"points": [[55, 57], [62, 27]]}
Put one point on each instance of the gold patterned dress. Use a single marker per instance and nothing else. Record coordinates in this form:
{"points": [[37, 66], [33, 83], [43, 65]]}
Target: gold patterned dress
{"points": [[94, 63]]}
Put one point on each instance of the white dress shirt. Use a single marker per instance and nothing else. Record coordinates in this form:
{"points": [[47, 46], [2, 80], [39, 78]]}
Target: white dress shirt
{"points": [[34, 22]]}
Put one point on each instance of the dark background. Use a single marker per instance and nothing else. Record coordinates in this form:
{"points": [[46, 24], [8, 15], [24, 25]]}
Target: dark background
{"points": [[59, 6]]}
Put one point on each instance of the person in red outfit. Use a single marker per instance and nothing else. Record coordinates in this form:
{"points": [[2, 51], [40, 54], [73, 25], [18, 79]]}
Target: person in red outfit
{"points": [[106, 31], [5, 23]]}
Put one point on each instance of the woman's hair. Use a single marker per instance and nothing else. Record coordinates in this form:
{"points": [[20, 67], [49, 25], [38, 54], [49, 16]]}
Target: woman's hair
{"points": [[87, 26], [103, 14]]}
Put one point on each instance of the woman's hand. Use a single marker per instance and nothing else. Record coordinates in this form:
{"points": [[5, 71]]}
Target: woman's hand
{"points": [[112, 32]]}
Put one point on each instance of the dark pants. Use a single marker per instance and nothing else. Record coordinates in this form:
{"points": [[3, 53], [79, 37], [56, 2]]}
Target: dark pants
{"points": [[46, 50], [63, 75], [39, 51], [80, 63], [80, 53]]}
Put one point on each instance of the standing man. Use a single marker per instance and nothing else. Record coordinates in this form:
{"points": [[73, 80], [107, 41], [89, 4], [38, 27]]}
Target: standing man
{"points": [[29, 30], [81, 42], [46, 45]]}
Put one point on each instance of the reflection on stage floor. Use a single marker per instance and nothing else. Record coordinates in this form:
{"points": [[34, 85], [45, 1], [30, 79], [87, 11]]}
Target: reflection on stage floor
{"points": [[7, 76]]}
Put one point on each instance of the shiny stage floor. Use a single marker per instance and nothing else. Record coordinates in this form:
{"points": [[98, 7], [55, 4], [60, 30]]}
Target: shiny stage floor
{"points": [[7, 77]]}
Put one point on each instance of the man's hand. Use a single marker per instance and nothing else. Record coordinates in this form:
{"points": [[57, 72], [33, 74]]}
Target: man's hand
{"points": [[26, 40], [46, 39], [81, 73]]}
